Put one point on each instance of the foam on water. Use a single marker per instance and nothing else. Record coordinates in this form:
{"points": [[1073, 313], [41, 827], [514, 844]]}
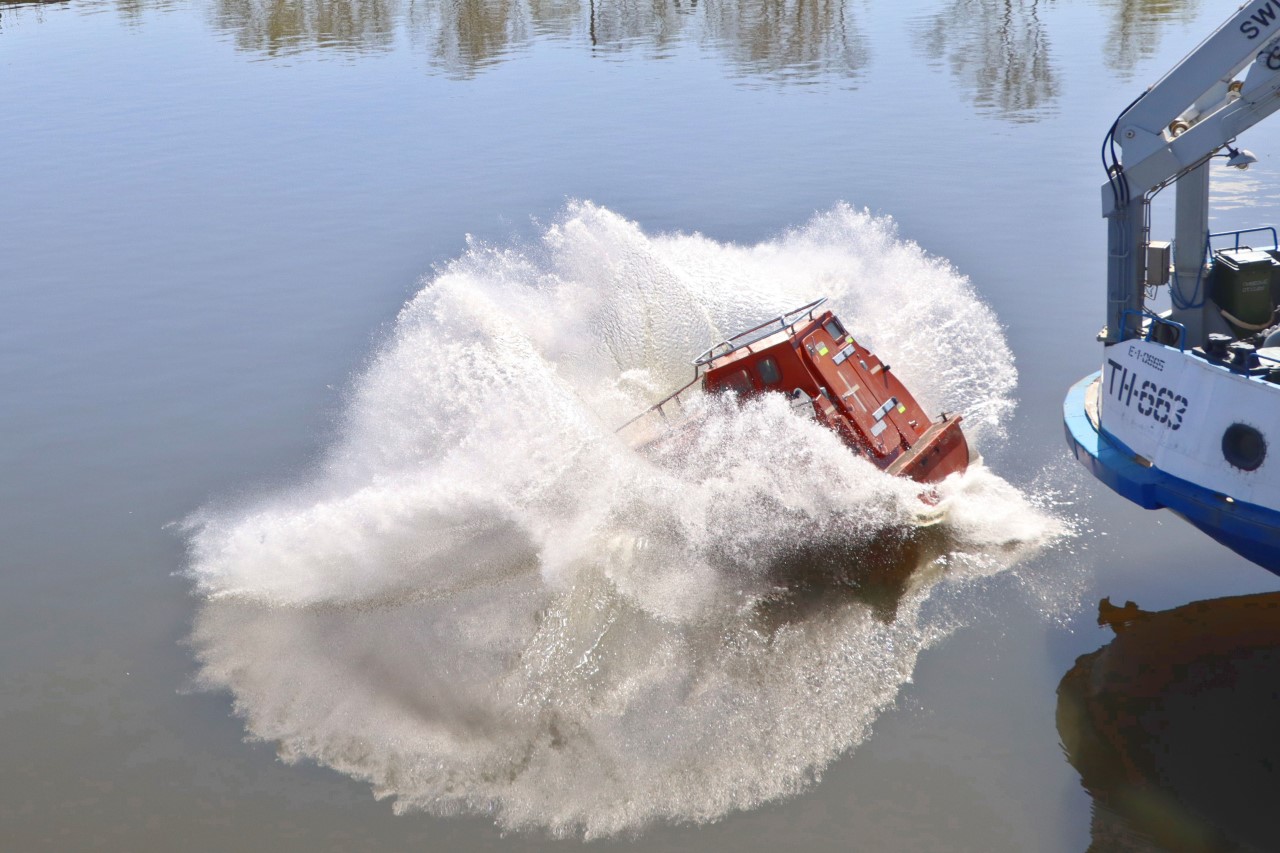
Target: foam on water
{"points": [[484, 600]]}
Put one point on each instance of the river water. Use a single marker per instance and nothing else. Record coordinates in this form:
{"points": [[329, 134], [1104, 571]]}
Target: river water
{"points": [[317, 320]]}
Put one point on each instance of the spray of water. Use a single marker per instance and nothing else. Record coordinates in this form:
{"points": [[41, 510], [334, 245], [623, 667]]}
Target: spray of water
{"points": [[485, 600]]}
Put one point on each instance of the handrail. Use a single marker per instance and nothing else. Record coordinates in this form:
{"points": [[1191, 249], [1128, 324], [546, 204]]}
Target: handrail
{"points": [[709, 354], [1262, 357], [1266, 229], [784, 321], [1156, 320], [657, 407]]}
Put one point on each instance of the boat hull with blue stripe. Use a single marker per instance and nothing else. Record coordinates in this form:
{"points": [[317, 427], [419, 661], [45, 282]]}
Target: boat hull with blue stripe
{"points": [[1185, 412], [1250, 530]]}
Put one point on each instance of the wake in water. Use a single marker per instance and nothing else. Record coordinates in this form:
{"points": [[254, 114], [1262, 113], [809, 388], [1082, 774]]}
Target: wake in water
{"points": [[486, 601]]}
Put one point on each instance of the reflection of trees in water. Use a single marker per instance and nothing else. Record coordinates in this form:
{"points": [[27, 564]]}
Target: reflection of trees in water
{"points": [[623, 23], [129, 11], [133, 10], [776, 37], [464, 36], [285, 26], [553, 17], [12, 11], [788, 38], [1135, 29], [999, 50]]}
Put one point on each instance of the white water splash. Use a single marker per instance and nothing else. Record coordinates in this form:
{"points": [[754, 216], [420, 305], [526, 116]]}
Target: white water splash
{"points": [[486, 601]]}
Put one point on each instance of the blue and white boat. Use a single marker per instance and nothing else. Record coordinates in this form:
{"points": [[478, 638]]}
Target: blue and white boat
{"points": [[1185, 411]]}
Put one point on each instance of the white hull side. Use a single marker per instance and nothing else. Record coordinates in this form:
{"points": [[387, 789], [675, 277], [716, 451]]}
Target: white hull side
{"points": [[1173, 409]]}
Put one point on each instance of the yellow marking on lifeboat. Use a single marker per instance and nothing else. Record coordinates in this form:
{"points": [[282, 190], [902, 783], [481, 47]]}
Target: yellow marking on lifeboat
{"points": [[822, 348], [902, 410]]}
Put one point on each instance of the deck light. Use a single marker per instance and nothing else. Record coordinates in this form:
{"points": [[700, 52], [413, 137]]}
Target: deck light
{"points": [[1240, 157]]}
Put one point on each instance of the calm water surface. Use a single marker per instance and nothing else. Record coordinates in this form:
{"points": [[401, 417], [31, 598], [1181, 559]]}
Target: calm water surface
{"points": [[230, 535]]}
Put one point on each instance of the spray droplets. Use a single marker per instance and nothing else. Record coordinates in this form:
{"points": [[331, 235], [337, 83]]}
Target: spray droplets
{"points": [[486, 600]]}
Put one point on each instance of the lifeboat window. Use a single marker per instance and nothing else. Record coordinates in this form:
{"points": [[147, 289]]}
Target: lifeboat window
{"points": [[739, 383], [835, 330], [768, 369]]}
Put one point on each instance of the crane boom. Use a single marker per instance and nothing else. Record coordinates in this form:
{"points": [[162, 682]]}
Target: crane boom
{"points": [[1168, 135]]}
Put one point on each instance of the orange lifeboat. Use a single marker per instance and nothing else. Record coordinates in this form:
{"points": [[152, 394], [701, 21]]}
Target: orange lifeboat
{"points": [[809, 356]]}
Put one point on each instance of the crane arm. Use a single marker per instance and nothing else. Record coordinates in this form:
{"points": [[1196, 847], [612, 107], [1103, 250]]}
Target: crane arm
{"points": [[1169, 133], [1199, 105]]}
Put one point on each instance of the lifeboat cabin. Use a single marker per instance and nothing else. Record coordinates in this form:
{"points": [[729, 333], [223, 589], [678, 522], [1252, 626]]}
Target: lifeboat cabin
{"points": [[809, 356]]}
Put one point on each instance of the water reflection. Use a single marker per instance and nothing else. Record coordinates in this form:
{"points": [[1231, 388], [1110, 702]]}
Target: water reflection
{"points": [[785, 39], [997, 50], [1172, 726], [1135, 28], [463, 37], [284, 26], [616, 24], [824, 576], [9, 9]]}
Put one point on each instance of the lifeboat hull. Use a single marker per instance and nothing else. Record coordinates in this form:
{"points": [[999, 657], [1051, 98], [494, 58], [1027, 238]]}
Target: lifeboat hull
{"points": [[940, 452], [808, 356]]}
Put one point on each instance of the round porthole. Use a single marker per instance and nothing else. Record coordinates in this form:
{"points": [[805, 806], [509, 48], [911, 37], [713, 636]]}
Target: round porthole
{"points": [[1244, 447]]}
